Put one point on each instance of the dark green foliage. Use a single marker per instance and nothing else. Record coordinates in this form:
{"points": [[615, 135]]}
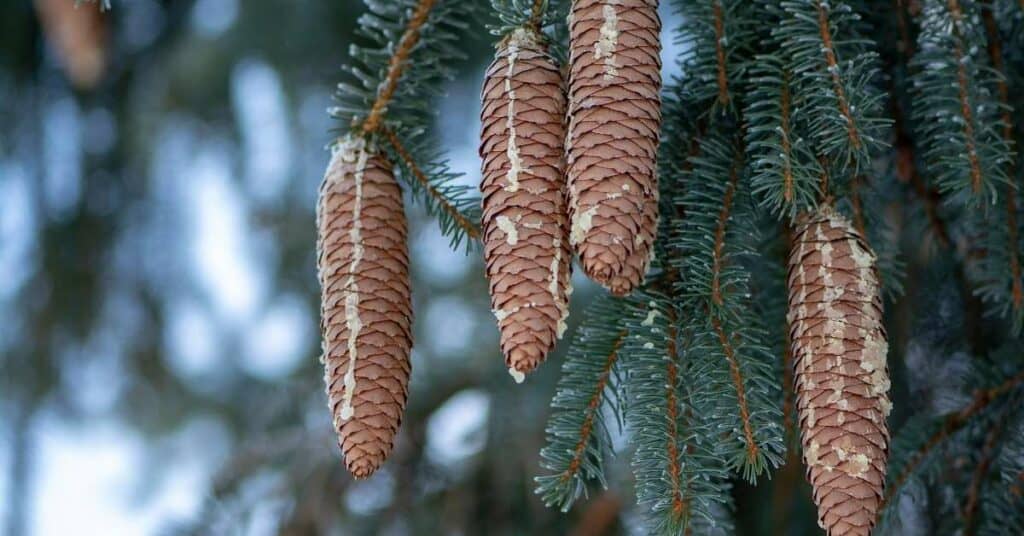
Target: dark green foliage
{"points": [[786, 173], [680, 475], [1003, 497], [924, 446], [589, 390], [957, 114], [834, 67], [713, 241]]}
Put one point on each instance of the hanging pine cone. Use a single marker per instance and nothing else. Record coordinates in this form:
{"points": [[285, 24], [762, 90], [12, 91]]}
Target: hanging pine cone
{"points": [[366, 309], [79, 36], [842, 381], [526, 247], [614, 123]]}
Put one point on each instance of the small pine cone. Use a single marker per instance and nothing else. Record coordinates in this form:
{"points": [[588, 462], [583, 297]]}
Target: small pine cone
{"points": [[842, 381], [366, 305], [79, 36], [614, 126], [525, 227]]}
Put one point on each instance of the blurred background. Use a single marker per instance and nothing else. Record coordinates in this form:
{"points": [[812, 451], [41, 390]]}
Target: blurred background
{"points": [[159, 164]]}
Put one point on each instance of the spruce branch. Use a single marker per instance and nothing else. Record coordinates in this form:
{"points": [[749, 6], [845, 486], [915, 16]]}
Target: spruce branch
{"points": [[413, 43], [717, 37], [713, 242], [679, 471], [443, 198], [396, 65], [948, 427], [784, 170], [834, 69], [577, 434], [1002, 262], [958, 124]]}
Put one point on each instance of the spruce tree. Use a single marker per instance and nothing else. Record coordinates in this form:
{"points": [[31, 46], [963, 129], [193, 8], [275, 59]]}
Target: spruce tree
{"points": [[802, 140]]}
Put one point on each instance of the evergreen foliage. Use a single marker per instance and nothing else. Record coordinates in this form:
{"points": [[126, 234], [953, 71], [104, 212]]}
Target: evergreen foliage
{"points": [[390, 95], [677, 461], [781, 107], [578, 439], [957, 113]]}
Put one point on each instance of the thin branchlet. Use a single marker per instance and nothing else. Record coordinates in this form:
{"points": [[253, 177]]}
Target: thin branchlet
{"points": [[396, 65], [950, 425], [442, 201], [587, 429]]}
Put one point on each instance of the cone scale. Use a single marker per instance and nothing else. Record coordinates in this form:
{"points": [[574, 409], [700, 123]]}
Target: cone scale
{"points": [[842, 381], [366, 309]]}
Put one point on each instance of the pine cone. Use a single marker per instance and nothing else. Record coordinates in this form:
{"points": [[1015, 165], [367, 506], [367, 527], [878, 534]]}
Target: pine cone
{"points": [[614, 124], [842, 381], [526, 246], [366, 309], [79, 37]]}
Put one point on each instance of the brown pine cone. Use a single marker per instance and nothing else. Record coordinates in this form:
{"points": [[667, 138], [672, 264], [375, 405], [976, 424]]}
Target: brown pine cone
{"points": [[79, 35], [525, 227], [366, 308], [614, 125], [842, 381]]}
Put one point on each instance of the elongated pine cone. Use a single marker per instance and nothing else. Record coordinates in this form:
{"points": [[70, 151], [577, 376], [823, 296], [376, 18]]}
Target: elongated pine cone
{"points": [[614, 127], [366, 306], [842, 381], [525, 227]]}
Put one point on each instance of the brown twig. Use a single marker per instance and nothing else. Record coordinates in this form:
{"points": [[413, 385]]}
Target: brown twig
{"points": [[787, 171], [723, 221], [536, 16], [978, 478], [680, 505], [966, 110], [396, 65], [421, 177], [951, 425], [906, 44], [592, 407], [995, 53], [741, 391], [837, 82], [723, 78]]}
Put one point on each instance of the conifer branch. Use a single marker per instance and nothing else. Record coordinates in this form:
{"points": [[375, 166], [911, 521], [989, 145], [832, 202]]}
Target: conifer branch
{"points": [[679, 474], [995, 53], [441, 200], [823, 46], [958, 115], [989, 450], [680, 507], [720, 40], [741, 396], [784, 173], [587, 429], [396, 65], [828, 48], [950, 425], [577, 435], [966, 109]]}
